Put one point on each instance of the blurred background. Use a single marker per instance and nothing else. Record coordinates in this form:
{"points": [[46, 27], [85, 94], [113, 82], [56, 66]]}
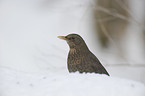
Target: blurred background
{"points": [[114, 31]]}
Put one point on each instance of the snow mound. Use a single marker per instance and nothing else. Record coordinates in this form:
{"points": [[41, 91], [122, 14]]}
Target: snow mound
{"points": [[16, 83]]}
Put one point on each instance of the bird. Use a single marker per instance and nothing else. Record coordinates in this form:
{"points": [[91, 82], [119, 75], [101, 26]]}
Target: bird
{"points": [[80, 58]]}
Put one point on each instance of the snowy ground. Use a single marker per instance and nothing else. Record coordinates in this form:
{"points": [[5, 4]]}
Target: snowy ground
{"points": [[15, 83]]}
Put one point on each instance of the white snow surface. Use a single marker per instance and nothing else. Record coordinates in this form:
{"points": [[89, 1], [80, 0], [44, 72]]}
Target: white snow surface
{"points": [[17, 83]]}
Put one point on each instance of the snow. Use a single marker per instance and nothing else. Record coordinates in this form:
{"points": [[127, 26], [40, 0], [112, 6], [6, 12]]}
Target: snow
{"points": [[16, 83]]}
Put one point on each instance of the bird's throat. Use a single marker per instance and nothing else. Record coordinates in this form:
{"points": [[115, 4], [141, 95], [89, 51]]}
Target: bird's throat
{"points": [[73, 51]]}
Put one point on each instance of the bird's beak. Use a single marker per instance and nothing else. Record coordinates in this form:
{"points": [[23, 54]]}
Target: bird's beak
{"points": [[62, 37]]}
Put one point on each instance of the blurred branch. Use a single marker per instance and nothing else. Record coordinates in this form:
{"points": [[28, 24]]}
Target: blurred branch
{"points": [[99, 8], [130, 13], [130, 65], [104, 19], [105, 10], [111, 40], [13, 69]]}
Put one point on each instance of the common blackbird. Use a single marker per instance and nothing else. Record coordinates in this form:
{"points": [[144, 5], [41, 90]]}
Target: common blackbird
{"points": [[80, 58]]}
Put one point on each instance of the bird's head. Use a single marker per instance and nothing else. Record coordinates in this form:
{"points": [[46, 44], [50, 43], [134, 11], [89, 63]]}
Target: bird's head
{"points": [[74, 40]]}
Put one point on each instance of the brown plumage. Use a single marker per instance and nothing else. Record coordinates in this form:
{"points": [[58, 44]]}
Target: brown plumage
{"points": [[80, 58]]}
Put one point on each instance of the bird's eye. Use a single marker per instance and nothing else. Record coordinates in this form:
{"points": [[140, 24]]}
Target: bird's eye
{"points": [[72, 38]]}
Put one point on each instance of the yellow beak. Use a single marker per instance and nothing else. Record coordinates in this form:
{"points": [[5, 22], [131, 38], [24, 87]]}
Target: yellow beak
{"points": [[62, 37]]}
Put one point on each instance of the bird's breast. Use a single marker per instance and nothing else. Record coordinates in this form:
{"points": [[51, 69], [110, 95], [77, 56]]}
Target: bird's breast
{"points": [[74, 57]]}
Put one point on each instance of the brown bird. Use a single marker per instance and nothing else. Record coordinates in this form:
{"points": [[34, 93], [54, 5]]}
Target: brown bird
{"points": [[80, 58]]}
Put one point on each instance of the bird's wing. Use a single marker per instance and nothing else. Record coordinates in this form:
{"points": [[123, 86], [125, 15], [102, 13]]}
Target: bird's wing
{"points": [[95, 64]]}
